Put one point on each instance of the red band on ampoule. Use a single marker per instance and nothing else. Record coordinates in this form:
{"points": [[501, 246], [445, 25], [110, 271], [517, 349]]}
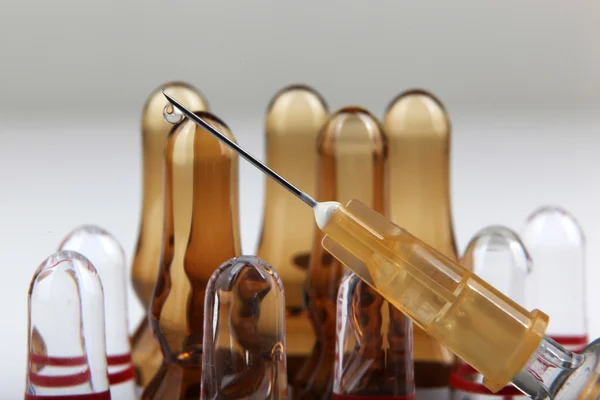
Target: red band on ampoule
{"points": [[573, 343], [118, 359], [89, 396], [55, 381], [121, 376], [43, 360]]}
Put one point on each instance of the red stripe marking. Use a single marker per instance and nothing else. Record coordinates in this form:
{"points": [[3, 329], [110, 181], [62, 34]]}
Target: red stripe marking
{"points": [[459, 380], [574, 343], [570, 340], [89, 396], [54, 381], [122, 376], [57, 361], [118, 359]]}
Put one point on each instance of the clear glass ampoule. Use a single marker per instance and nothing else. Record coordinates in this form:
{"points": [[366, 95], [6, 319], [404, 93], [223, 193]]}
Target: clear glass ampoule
{"points": [[374, 349], [66, 340], [556, 244], [294, 117], [418, 129], [145, 348], [244, 353], [352, 163], [497, 255], [108, 257], [201, 230]]}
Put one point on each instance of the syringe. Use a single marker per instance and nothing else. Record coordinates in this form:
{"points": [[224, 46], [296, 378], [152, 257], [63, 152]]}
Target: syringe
{"points": [[486, 329]]}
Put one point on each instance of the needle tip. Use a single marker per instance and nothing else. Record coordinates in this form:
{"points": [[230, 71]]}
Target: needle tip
{"points": [[167, 96]]}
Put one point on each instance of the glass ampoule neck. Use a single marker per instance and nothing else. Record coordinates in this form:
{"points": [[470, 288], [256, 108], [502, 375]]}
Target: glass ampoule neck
{"points": [[554, 372]]}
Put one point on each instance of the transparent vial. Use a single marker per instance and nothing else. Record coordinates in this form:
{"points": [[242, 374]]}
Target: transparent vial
{"points": [[66, 341], [293, 120], [497, 255], [244, 353], [418, 129], [201, 230], [108, 257], [352, 163], [145, 349], [556, 244], [374, 349]]}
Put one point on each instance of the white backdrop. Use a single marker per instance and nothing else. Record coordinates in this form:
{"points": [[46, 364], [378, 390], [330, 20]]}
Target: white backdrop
{"points": [[520, 81]]}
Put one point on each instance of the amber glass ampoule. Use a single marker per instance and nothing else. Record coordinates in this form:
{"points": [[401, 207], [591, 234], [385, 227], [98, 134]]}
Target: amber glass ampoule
{"points": [[418, 129], [201, 231], [145, 351], [294, 117], [352, 164]]}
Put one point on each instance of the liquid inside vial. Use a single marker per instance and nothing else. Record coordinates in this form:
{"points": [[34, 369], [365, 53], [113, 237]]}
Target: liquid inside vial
{"points": [[418, 129], [351, 164], [201, 230], [145, 349], [293, 120], [108, 257], [66, 341], [556, 243], [244, 343]]}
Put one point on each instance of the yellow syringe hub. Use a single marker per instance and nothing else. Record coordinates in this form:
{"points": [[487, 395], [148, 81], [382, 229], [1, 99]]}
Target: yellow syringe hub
{"points": [[476, 322]]}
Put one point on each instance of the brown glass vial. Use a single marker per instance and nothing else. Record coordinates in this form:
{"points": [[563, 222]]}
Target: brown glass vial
{"points": [[201, 231], [352, 164], [145, 350], [294, 117], [418, 129]]}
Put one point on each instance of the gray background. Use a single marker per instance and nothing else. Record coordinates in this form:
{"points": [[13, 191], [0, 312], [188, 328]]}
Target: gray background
{"points": [[520, 80]]}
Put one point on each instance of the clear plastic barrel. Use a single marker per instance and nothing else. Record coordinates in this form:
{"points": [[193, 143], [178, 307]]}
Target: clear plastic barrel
{"points": [[108, 257], [556, 244], [474, 320], [66, 340], [374, 348], [244, 353]]}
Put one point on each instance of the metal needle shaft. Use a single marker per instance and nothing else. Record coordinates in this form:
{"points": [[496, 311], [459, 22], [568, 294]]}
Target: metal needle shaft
{"points": [[250, 158]]}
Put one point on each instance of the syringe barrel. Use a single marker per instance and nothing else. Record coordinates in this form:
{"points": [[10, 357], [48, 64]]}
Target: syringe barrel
{"points": [[476, 322]]}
